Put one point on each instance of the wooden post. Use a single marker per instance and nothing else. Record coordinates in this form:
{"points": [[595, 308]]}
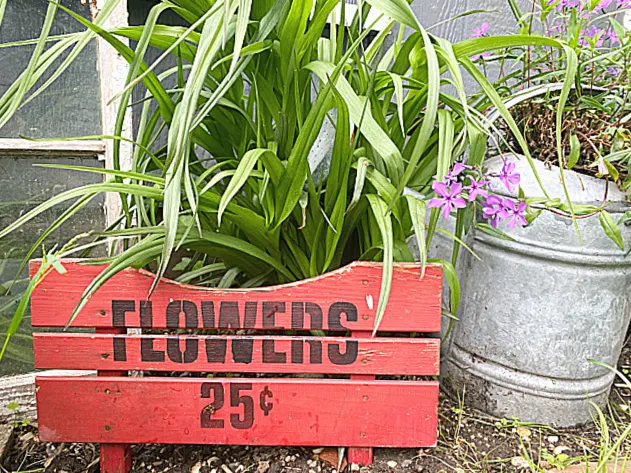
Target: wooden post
{"points": [[115, 457], [360, 456]]}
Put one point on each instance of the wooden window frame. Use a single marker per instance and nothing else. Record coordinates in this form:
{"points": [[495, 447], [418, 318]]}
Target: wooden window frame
{"points": [[112, 74]]}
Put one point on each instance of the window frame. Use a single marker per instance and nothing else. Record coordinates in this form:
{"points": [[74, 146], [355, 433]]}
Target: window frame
{"points": [[112, 74]]}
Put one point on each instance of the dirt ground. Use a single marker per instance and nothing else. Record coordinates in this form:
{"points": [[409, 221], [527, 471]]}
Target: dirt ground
{"points": [[468, 442]]}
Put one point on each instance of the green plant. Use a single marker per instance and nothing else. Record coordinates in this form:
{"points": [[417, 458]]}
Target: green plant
{"points": [[593, 135], [257, 81]]}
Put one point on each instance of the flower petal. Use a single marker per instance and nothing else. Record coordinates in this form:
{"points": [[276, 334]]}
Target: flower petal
{"points": [[436, 202]]}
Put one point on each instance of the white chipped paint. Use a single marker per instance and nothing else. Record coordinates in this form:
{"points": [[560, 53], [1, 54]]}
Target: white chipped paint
{"points": [[369, 301]]}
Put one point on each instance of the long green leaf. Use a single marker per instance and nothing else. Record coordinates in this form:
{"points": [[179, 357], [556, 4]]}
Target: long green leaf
{"points": [[380, 211]]}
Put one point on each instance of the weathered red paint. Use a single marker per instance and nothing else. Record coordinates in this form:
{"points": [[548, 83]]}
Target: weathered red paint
{"points": [[307, 412], [376, 356], [359, 455], [114, 458], [414, 305], [359, 413]]}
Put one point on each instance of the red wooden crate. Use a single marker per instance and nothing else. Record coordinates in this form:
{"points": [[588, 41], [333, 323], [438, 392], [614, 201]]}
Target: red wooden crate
{"points": [[358, 412]]}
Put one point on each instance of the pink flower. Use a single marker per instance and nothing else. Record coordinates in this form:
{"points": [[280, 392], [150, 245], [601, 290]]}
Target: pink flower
{"points": [[491, 208], [477, 189], [481, 31], [449, 198], [613, 37], [513, 212], [452, 176], [508, 176], [603, 4]]}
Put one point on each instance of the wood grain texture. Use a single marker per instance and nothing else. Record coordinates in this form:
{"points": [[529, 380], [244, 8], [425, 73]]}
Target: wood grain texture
{"points": [[360, 455], [115, 458], [414, 305], [247, 354], [191, 410]]}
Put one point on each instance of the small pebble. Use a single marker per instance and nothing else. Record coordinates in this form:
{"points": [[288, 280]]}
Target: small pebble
{"points": [[354, 467], [553, 439], [520, 462], [406, 463], [318, 450], [560, 449], [392, 464], [288, 459]]}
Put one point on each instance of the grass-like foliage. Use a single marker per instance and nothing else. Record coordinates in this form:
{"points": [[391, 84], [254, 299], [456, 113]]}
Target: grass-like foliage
{"points": [[257, 81]]}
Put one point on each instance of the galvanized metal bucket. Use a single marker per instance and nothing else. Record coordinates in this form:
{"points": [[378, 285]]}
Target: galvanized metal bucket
{"points": [[536, 310]]}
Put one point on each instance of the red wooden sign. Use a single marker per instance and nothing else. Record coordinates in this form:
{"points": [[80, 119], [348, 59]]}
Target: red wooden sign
{"points": [[308, 412], [246, 354], [358, 412], [339, 301]]}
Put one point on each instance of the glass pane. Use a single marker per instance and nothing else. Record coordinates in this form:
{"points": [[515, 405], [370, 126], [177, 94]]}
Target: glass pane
{"points": [[22, 187], [71, 105], [138, 11]]}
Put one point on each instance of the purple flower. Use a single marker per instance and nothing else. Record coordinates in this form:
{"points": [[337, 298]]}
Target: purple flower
{"points": [[452, 176], [477, 189], [508, 176], [478, 56], [491, 208], [613, 37], [481, 31], [614, 71], [624, 4], [514, 212], [603, 4], [595, 34], [567, 4], [449, 199]]}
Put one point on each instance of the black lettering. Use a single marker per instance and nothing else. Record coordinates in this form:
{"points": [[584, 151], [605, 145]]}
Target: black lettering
{"points": [[119, 309], [297, 351], [335, 315], [207, 422], [270, 309], [146, 314], [208, 314], [348, 357], [248, 406], [216, 350], [297, 315], [270, 355], [315, 352], [175, 308], [315, 315], [229, 315], [250, 315], [148, 352], [190, 352], [242, 350], [120, 349]]}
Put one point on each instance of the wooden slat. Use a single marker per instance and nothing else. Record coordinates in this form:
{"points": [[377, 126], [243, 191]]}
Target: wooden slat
{"points": [[345, 299], [238, 411], [206, 353], [17, 146]]}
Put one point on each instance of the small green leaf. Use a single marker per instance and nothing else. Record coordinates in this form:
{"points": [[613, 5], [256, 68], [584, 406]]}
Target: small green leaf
{"points": [[611, 229], [613, 172], [575, 151], [12, 406]]}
